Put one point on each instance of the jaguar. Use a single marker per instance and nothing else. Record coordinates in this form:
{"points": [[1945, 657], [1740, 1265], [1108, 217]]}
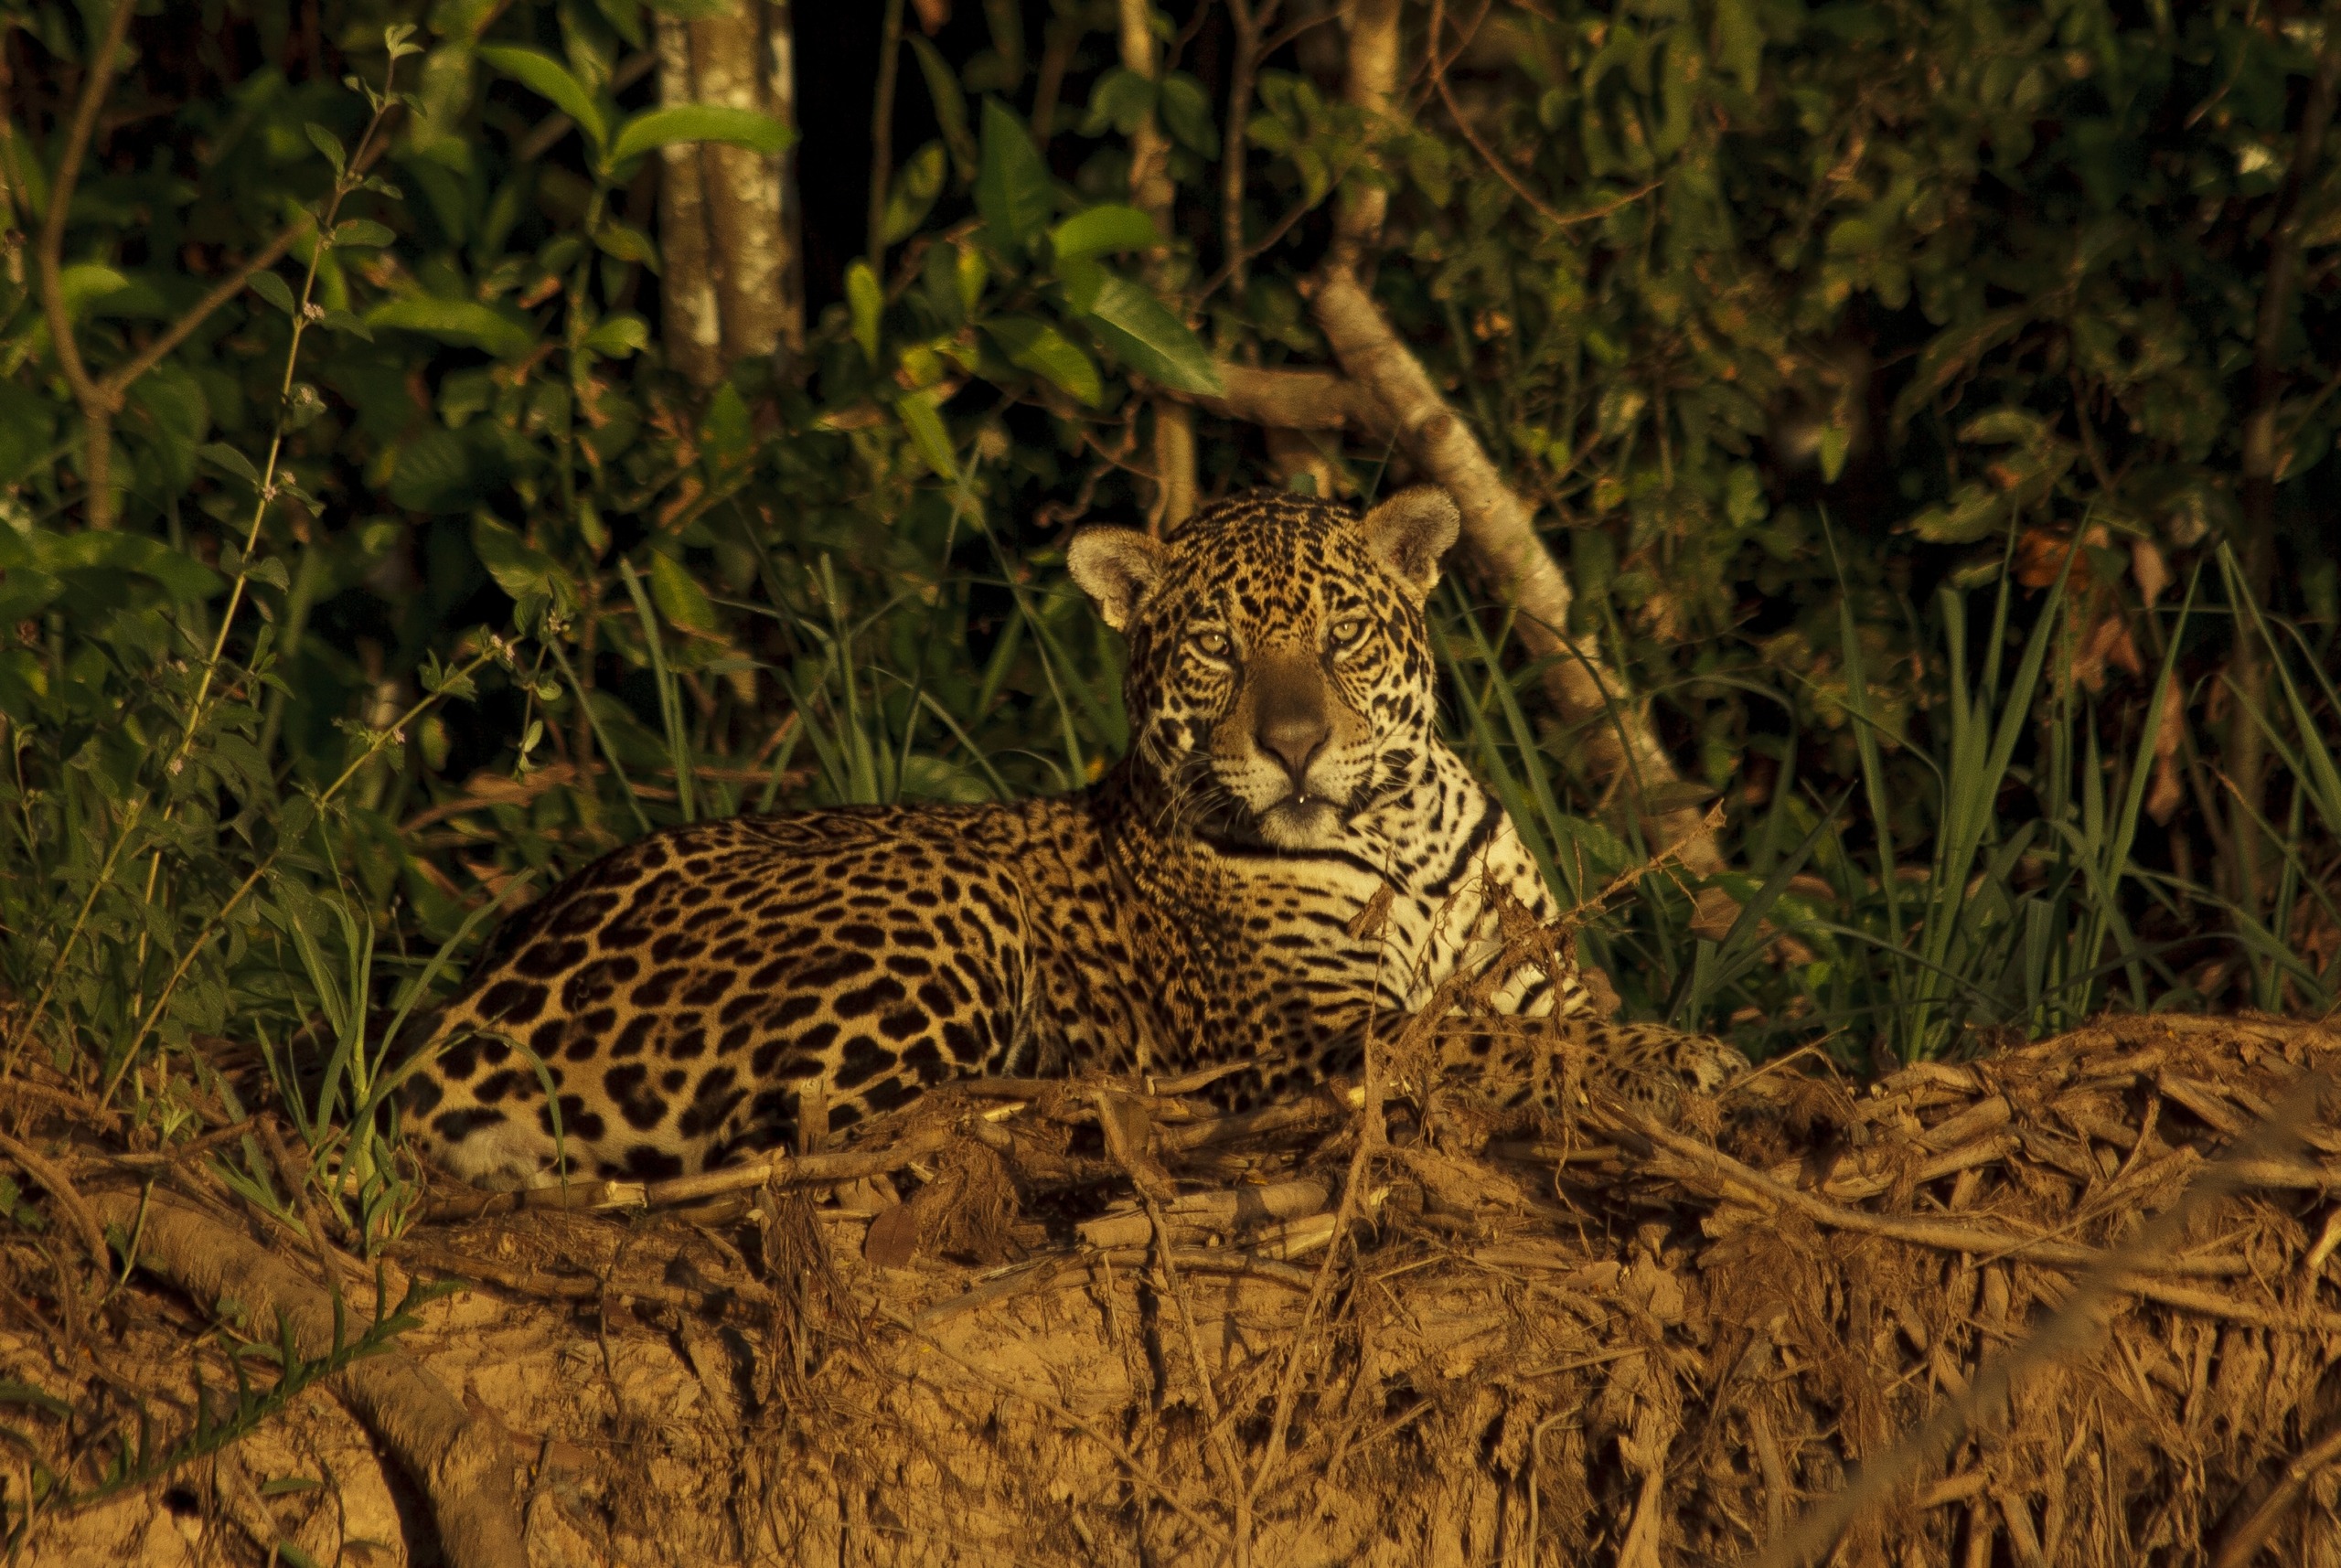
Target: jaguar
{"points": [[1286, 853]]}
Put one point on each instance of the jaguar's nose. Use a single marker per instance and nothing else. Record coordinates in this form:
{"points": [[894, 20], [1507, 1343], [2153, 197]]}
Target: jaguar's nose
{"points": [[1288, 715]]}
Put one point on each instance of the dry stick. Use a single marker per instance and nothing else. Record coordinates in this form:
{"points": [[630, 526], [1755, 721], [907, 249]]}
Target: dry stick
{"points": [[1371, 1133], [2067, 1331], [75, 1207], [463, 1466], [2242, 1547], [1127, 1460]]}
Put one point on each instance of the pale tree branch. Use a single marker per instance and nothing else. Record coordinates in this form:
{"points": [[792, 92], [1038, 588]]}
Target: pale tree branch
{"points": [[1299, 399]]}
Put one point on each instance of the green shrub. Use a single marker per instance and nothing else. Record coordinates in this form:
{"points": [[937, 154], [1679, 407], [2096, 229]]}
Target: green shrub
{"points": [[1889, 376]]}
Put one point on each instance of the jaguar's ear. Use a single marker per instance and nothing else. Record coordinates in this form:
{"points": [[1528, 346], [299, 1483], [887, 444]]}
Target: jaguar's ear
{"points": [[1117, 568], [1410, 532]]}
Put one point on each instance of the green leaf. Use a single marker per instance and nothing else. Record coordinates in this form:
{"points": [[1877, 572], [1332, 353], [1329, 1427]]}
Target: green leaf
{"points": [[363, 232], [2001, 426], [1037, 347], [1102, 231], [700, 123], [679, 599], [342, 321], [1012, 189], [626, 242], [1973, 513], [865, 301], [518, 570], [456, 321], [924, 421], [84, 283], [326, 142], [619, 336], [1742, 38], [548, 78], [233, 461], [728, 435], [1142, 331], [13, 1393], [914, 193], [1953, 353], [1121, 100], [273, 289], [950, 105], [28, 430], [1835, 443], [1186, 114], [443, 472]]}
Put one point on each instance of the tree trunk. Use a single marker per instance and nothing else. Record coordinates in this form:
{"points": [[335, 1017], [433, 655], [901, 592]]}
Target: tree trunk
{"points": [[727, 216]]}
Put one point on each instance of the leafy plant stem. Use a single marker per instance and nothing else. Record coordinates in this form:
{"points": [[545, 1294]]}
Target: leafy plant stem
{"points": [[374, 743]]}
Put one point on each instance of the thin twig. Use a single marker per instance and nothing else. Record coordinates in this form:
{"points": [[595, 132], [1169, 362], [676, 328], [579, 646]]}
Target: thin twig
{"points": [[69, 1197], [1248, 22], [1542, 209], [98, 406], [881, 134]]}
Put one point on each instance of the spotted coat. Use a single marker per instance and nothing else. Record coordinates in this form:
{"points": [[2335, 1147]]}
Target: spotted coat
{"points": [[696, 994]]}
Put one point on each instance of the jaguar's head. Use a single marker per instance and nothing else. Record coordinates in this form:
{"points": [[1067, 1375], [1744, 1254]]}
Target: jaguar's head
{"points": [[1281, 676]]}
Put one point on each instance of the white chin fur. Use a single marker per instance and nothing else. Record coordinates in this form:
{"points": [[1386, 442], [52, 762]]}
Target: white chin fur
{"points": [[1291, 826]]}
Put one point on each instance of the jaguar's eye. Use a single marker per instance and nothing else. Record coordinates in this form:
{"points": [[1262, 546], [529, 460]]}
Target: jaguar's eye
{"points": [[1347, 633], [1214, 644]]}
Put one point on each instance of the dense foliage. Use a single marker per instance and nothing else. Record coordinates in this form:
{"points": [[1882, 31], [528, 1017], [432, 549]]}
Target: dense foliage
{"points": [[1932, 401]]}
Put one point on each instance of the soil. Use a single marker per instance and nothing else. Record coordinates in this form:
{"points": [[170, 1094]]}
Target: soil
{"points": [[2067, 1305]]}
